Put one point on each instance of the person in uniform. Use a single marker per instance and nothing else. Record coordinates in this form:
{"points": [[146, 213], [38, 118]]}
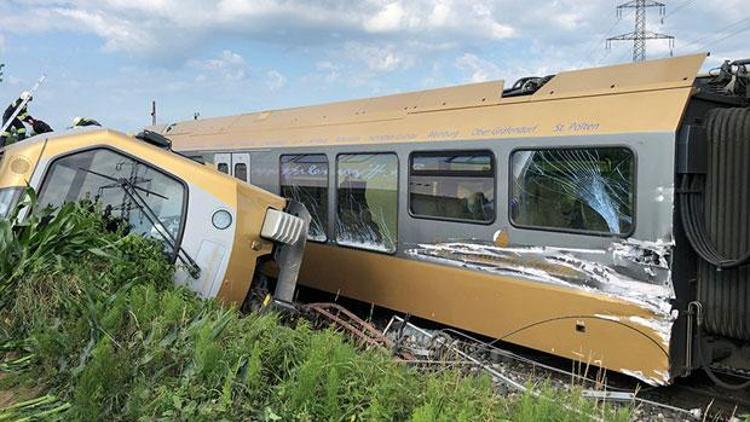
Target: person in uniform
{"points": [[84, 122], [16, 131]]}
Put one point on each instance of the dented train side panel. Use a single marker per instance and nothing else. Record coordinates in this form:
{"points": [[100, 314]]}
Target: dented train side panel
{"points": [[511, 278]]}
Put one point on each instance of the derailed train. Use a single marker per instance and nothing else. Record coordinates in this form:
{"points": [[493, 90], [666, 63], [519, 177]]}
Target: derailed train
{"points": [[600, 215], [213, 226]]}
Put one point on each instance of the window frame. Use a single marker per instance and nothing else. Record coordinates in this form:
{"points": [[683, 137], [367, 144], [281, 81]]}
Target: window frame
{"points": [[336, 200], [437, 153], [592, 233], [328, 190], [185, 186]]}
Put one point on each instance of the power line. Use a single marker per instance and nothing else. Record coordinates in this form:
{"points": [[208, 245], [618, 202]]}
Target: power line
{"points": [[719, 34], [605, 34], [677, 9], [641, 35], [725, 37]]}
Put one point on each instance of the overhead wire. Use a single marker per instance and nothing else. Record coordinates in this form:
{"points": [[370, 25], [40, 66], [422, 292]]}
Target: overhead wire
{"points": [[606, 35], [721, 33], [677, 9], [715, 42]]}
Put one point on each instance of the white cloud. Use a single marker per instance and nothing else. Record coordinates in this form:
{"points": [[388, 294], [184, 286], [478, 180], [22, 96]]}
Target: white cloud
{"points": [[161, 28], [328, 50], [385, 58], [478, 70], [330, 70], [175, 30], [228, 65], [275, 80], [387, 19], [118, 34]]}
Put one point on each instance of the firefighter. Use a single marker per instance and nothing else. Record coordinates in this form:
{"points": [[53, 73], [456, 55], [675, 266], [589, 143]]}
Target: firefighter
{"points": [[16, 131], [40, 127], [84, 122]]}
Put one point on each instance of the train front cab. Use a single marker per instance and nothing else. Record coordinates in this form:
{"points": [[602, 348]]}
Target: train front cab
{"points": [[215, 228]]}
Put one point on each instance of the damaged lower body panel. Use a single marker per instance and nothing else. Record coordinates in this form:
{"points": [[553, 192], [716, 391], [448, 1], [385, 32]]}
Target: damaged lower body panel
{"points": [[610, 308]]}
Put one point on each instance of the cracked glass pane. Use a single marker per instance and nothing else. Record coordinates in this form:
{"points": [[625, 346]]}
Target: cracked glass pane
{"points": [[367, 201], [304, 178], [72, 178], [574, 189], [456, 185]]}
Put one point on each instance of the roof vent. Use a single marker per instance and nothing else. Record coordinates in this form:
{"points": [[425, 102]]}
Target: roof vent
{"points": [[155, 139]]}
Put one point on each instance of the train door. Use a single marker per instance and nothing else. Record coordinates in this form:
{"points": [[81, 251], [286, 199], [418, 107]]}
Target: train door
{"points": [[241, 166], [223, 162], [235, 164]]}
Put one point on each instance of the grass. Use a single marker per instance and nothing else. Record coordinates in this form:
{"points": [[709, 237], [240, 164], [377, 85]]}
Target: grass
{"points": [[91, 322]]}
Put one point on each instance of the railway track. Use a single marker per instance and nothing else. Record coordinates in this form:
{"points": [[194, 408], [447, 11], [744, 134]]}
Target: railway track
{"points": [[516, 371]]}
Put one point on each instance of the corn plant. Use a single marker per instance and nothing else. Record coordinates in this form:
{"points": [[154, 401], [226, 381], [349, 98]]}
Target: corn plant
{"points": [[91, 322]]}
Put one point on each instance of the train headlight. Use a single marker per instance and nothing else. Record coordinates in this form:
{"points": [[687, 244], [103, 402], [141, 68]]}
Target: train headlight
{"points": [[221, 219], [282, 227]]}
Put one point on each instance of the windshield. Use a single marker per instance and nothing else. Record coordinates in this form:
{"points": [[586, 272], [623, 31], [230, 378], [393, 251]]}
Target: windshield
{"points": [[96, 175], [8, 198]]}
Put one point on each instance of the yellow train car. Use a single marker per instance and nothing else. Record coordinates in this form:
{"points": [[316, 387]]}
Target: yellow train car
{"points": [[553, 214], [216, 228]]}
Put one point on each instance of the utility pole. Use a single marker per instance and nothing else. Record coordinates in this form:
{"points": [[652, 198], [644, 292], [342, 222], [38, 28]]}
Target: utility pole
{"points": [[640, 35], [2, 71], [153, 113]]}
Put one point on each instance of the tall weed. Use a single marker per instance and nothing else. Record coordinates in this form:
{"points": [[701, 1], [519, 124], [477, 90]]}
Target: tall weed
{"points": [[106, 335]]}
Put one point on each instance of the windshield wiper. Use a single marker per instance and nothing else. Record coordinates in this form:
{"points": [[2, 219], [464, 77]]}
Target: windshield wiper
{"points": [[131, 191], [118, 182]]}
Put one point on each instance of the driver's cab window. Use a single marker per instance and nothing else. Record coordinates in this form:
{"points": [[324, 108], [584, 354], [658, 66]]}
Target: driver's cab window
{"points": [[103, 175]]}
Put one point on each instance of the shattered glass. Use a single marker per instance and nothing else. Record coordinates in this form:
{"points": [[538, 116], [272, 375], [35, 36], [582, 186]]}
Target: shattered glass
{"points": [[367, 201], [72, 179], [576, 189], [304, 178]]}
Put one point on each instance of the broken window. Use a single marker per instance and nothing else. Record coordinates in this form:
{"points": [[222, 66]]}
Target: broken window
{"points": [[367, 201], [456, 185], [574, 189], [97, 174], [304, 178]]}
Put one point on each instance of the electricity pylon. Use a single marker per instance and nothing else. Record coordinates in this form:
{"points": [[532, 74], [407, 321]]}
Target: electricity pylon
{"points": [[640, 35]]}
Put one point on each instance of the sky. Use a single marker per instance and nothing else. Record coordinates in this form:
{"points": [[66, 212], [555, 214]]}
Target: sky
{"points": [[108, 59]]}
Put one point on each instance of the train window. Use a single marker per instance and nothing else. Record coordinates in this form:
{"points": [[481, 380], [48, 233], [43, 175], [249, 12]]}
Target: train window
{"points": [[367, 201], [94, 175], [240, 171], [455, 185], [589, 190], [223, 167], [304, 178]]}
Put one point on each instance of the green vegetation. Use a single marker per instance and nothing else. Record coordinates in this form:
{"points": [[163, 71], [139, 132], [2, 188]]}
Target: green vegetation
{"points": [[92, 328]]}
